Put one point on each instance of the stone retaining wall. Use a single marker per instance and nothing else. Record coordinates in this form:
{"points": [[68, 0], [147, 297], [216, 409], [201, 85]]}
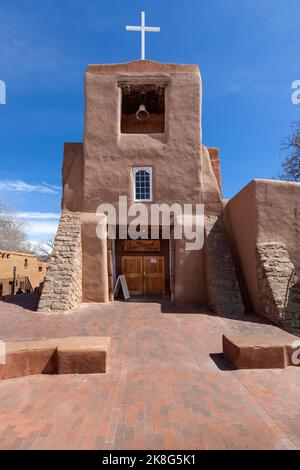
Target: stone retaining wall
{"points": [[63, 285], [277, 283], [222, 284]]}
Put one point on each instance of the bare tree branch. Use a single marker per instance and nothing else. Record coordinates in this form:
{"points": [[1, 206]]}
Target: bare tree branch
{"points": [[13, 235], [44, 249], [290, 167]]}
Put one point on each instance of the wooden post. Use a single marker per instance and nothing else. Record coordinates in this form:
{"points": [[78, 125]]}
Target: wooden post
{"points": [[110, 270], [172, 262]]}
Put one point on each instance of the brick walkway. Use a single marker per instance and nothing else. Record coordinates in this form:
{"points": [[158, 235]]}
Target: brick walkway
{"points": [[163, 390]]}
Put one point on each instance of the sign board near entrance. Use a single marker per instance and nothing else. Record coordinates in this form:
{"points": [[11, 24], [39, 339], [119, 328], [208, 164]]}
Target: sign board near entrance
{"points": [[142, 245], [122, 284]]}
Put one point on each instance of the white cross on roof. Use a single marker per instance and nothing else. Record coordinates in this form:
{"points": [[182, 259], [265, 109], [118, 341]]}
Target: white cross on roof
{"points": [[143, 29]]}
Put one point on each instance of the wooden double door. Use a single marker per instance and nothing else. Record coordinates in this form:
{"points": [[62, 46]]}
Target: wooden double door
{"points": [[144, 274]]}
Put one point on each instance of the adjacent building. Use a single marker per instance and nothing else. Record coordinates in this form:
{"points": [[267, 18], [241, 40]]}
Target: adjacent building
{"points": [[20, 273]]}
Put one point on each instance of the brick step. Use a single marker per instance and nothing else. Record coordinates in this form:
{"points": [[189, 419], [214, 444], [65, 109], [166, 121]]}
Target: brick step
{"points": [[74, 355], [256, 351]]}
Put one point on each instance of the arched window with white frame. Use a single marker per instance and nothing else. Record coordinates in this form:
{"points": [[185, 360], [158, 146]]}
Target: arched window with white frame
{"points": [[142, 183]]}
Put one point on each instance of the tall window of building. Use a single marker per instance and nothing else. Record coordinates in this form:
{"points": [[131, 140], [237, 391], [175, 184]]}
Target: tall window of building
{"points": [[142, 184]]}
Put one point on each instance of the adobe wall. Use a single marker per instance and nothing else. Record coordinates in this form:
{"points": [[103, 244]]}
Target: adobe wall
{"points": [[240, 220], [100, 170], [216, 165], [72, 177], [278, 215], [175, 156], [264, 211], [190, 280], [95, 287]]}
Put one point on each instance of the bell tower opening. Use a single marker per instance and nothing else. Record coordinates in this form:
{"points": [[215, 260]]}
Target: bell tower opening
{"points": [[143, 107]]}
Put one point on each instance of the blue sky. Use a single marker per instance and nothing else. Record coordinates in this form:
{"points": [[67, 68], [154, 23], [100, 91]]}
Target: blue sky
{"points": [[247, 51]]}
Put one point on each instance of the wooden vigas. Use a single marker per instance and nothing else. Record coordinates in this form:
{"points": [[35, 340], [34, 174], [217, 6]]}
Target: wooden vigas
{"points": [[144, 274]]}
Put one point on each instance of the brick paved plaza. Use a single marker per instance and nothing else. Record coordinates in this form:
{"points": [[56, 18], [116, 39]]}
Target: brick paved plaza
{"points": [[167, 386]]}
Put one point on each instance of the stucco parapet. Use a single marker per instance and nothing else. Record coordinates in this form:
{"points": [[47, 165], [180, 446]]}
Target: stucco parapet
{"points": [[276, 183], [142, 66], [256, 185]]}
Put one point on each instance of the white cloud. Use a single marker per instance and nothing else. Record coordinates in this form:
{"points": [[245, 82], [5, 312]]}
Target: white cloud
{"points": [[37, 215], [245, 80], [42, 228], [22, 187]]}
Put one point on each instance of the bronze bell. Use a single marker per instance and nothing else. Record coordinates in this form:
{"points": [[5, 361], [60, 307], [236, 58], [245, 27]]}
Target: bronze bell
{"points": [[142, 113]]}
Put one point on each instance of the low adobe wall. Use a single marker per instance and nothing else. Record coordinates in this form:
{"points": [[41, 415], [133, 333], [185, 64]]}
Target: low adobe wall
{"points": [[95, 275], [262, 212]]}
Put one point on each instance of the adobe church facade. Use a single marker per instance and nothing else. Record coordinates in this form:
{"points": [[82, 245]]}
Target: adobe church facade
{"points": [[143, 140]]}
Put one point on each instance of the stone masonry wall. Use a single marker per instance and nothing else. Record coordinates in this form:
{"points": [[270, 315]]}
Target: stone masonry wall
{"points": [[223, 288], [277, 284], [63, 285]]}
